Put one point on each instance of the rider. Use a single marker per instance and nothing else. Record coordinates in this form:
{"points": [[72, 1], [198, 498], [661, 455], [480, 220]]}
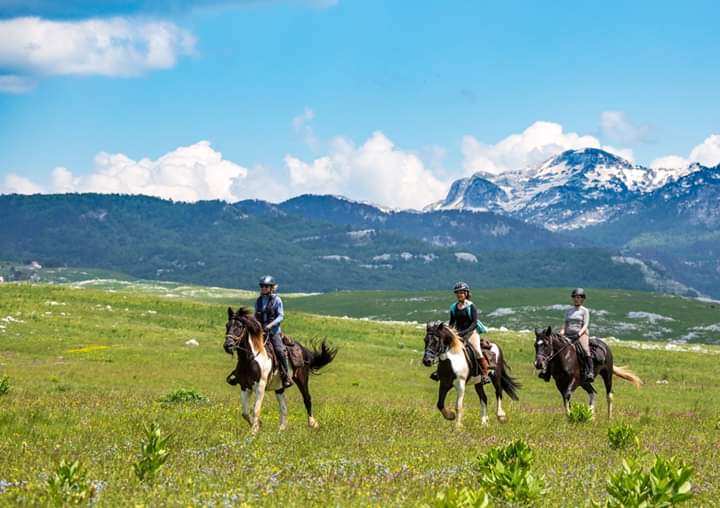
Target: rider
{"points": [[463, 317], [577, 321], [269, 311]]}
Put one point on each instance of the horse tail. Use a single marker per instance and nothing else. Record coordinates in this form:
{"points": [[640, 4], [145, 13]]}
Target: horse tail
{"points": [[627, 375], [509, 384], [318, 358]]}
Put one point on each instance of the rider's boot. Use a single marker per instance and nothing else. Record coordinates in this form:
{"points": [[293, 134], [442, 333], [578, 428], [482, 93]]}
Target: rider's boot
{"points": [[285, 371], [231, 379], [484, 369], [435, 376], [589, 374]]}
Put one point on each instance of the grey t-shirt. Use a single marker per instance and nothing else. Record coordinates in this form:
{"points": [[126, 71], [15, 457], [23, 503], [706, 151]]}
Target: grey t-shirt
{"points": [[575, 319]]}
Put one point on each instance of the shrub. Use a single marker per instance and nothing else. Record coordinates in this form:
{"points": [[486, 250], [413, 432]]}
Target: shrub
{"points": [[580, 413], [183, 395], [505, 473], [154, 452], [621, 436], [4, 385], [68, 485], [667, 483], [462, 498]]}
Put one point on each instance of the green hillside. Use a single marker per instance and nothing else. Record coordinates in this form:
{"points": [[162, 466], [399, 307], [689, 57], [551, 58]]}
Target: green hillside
{"points": [[86, 369]]}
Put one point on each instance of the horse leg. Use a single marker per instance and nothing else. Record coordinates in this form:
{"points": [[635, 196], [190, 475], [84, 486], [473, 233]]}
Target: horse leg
{"points": [[460, 387], [483, 404], [244, 397], [607, 380], [301, 380], [591, 396], [280, 394], [500, 413], [259, 396], [443, 390]]}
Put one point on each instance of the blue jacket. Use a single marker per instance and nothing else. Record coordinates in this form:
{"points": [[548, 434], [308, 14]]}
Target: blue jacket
{"points": [[269, 311]]}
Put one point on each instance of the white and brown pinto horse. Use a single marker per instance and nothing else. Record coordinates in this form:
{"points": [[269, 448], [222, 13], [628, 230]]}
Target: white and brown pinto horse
{"points": [[257, 372], [444, 346]]}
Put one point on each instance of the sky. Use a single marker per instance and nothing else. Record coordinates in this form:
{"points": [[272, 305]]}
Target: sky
{"points": [[379, 101]]}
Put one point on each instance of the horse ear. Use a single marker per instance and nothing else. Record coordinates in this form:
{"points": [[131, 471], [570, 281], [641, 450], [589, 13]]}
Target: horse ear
{"points": [[230, 313], [548, 331]]}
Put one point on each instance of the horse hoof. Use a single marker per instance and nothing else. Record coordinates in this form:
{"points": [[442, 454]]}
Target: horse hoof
{"points": [[247, 419], [312, 423], [484, 421], [502, 418], [449, 415]]}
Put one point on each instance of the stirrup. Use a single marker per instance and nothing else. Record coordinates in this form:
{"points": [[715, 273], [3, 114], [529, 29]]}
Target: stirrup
{"points": [[485, 379]]}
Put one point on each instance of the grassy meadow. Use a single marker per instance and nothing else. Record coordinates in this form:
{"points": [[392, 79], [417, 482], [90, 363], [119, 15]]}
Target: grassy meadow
{"points": [[87, 368]]}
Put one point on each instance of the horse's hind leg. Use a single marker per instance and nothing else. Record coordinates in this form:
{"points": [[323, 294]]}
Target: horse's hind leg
{"points": [[607, 379], [500, 413], [244, 397], [483, 404], [591, 396], [301, 380], [280, 394]]}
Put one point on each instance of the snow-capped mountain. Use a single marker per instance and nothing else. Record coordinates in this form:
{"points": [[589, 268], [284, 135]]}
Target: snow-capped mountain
{"points": [[576, 189]]}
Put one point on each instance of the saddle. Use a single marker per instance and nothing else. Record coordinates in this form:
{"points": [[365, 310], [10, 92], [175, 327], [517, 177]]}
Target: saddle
{"points": [[294, 352], [472, 357]]}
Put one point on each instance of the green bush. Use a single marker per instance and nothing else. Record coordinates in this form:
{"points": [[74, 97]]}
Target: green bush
{"points": [[183, 395], [68, 485], [621, 436], [580, 413], [667, 483], [4, 385], [505, 473], [154, 452], [462, 498]]}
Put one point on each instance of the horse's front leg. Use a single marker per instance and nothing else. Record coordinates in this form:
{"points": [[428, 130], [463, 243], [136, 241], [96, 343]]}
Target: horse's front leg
{"points": [[460, 387], [244, 397], [259, 396], [443, 390], [483, 404], [280, 394]]}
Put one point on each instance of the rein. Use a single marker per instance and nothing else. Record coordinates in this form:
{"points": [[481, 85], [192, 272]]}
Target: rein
{"points": [[236, 339], [559, 351]]}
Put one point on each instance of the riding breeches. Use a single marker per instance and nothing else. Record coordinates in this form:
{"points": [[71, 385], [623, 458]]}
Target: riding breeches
{"points": [[584, 341], [278, 344], [474, 340]]}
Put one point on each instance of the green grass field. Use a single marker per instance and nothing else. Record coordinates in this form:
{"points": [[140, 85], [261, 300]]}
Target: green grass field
{"points": [[87, 368]]}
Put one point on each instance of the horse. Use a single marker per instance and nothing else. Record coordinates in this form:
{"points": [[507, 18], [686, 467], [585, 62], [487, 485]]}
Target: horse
{"points": [[555, 356], [444, 346], [257, 371]]}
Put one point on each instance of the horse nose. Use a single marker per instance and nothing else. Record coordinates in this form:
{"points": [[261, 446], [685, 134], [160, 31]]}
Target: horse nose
{"points": [[538, 364], [427, 362]]}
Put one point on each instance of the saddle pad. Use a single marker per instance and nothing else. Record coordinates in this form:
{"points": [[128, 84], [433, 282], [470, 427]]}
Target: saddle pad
{"points": [[295, 353], [597, 350]]}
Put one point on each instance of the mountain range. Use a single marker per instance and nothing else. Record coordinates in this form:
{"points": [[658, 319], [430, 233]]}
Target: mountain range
{"points": [[584, 217]]}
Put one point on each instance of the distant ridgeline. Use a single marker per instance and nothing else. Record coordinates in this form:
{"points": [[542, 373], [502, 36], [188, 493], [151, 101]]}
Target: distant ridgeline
{"points": [[318, 243]]}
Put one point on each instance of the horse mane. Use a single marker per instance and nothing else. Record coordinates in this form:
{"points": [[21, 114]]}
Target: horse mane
{"points": [[455, 344], [253, 327]]}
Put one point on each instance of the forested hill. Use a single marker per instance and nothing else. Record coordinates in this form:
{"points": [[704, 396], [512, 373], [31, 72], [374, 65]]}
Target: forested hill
{"points": [[216, 243]]}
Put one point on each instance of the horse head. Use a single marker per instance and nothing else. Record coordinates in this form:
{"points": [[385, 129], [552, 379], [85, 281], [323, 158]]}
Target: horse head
{"points": [[543, 347], [438, 337], [240, 327]]}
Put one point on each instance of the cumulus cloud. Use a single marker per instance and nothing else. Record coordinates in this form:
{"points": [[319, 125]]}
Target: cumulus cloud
{"points": [[618, 127], [534, 145], [375, 171], [189, 173], [706, 153], [301, 123]]}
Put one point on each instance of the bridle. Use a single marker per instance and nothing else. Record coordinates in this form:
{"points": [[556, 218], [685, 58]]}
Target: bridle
{"points": [[441, 349], [237, 342], [549, 339]]}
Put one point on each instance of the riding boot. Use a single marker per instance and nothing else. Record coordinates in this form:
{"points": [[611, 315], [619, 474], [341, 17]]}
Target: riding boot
{"points": [[484, 369], [435, 376], [285, 371], [589, 374], [231, 379]]}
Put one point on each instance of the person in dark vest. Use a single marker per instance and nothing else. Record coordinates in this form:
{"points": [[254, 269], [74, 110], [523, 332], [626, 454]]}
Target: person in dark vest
{"points": [[269, 311]]}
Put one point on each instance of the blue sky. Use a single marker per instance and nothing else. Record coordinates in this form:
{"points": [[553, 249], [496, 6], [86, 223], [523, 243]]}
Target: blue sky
{"points": [[384, 101]]}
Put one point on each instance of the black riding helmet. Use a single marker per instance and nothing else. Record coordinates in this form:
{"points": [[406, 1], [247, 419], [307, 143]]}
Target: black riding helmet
{"points": [[267, 280], [578, 292], [461, 286]]}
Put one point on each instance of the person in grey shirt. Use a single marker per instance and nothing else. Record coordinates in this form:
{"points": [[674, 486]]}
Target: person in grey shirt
{"points": [[577, 322]]}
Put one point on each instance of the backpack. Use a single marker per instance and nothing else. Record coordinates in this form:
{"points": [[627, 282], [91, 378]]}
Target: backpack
{"points": [[480, 328]]}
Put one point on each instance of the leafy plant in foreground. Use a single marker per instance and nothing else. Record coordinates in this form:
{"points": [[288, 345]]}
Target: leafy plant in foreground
{"points": [[505, 473], [462, 498], [154, 452], [622, 435], [579, 413], [68, 485], [666, 483], [183, 395], [4, 385]]}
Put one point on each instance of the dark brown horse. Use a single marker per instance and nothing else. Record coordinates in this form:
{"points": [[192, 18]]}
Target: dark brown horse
{"points": [[556, 357], [443, 345], [257, 369]]}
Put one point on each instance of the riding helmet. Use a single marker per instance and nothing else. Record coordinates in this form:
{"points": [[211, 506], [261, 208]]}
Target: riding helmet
{"points": [[267, 280], [461, 286], [578, 292]]}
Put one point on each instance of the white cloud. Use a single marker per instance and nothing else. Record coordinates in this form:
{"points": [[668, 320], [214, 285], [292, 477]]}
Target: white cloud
{"points": [[16, 84], [301, 123], [375, 171], [534, 145], [106, 47], [706, 153], [15, 184], [616, 126]]}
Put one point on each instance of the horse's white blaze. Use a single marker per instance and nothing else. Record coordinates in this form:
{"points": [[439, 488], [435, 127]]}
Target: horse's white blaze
{"points": [[540, 342]]}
